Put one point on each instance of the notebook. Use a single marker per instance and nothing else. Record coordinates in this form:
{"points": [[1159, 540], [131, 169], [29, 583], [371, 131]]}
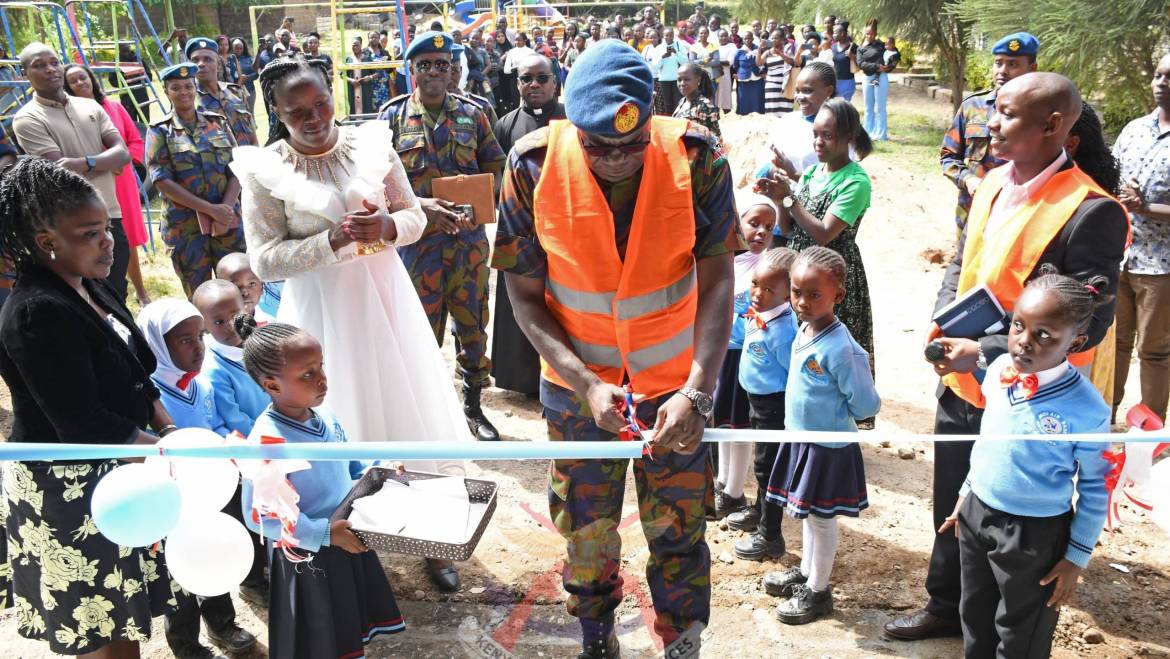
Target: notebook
{"points": [[974, 314], [475, 190]]}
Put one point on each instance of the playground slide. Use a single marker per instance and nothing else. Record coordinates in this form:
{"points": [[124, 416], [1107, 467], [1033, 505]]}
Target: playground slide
{"points": [[544, 11], [478, 21], [463, 10]]}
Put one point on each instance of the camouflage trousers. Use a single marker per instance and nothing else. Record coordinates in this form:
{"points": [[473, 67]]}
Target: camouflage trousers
{"points": [[195, 255], [450, 274], [585, 502]]}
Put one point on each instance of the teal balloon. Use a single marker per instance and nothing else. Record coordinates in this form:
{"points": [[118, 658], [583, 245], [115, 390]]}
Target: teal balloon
{"points": [[136, 505]]}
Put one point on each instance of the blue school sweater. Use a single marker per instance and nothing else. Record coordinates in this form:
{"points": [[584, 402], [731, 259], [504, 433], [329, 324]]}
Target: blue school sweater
{"points": [[193, 407], [321, 488], [1035, 478], [269, 301], [238, 399], [763, 364], [829, 384]]}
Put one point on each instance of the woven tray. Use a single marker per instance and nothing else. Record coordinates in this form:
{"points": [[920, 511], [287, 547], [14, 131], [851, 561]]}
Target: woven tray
{"points": [[479, 491]]}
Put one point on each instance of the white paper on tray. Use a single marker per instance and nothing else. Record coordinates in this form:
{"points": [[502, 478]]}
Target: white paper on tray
{"points": [[436, 509]]}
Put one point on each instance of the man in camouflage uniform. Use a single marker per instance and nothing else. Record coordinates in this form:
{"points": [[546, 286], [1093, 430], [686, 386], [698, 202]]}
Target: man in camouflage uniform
{"points": [[188, 162], [966, 149], [439, 134], [225, 99], [611, 90]]}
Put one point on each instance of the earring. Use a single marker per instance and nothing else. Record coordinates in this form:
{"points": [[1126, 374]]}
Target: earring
{"points": [[52, 255]]}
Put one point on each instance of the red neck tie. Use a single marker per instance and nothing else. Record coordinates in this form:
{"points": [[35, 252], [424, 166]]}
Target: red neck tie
{"points": [[754, 316], [1028, 382], [186, 380]]}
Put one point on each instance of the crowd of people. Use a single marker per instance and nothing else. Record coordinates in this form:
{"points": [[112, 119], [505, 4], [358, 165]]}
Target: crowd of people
{"points": [[321, 274]]}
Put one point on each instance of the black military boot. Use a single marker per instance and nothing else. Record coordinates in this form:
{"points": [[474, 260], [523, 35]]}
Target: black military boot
{"points": [[598, 640], [483, 429]]}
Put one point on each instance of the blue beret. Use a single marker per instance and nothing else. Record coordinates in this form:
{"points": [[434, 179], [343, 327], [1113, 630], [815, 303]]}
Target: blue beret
{"points": [[429, 42], [456, 51], [180, 71], [200, 43], [1017, 45], [609, 90]]}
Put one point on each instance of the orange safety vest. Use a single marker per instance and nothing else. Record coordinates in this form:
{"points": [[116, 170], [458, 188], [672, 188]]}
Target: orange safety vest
{"points": [[631, 318], [1006, 260]]}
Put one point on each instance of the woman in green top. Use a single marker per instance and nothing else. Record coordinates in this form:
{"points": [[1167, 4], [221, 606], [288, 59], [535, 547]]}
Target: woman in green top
{"points": [[827, 206]]}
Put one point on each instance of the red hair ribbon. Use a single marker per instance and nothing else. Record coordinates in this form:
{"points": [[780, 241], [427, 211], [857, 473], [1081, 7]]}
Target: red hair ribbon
{"points": [[1092, 289]]}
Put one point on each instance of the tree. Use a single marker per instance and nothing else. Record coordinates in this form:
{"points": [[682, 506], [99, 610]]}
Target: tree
{"points": [[1106, 48], [746, 10]]}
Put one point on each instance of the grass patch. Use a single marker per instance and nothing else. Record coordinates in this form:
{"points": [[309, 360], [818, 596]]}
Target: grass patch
{"points": [[914, 141]]}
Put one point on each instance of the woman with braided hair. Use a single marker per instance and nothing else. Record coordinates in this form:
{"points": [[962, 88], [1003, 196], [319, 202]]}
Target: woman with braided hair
{"points": [[324, 206], [79, 372]]}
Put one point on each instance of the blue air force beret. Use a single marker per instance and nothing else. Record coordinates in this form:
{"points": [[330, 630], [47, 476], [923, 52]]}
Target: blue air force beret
{"points": [[429, 42], [609, 90], [180, 71], [1017, 45], [456, 51], [200, 43]]}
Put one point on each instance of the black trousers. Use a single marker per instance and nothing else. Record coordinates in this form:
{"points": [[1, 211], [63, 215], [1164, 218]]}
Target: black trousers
{"points": [[1004, 557], [767, 413], [117, 277], [182, 626], [952, 461]]}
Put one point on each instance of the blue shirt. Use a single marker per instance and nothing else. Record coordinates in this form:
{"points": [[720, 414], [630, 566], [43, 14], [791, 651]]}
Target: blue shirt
{"points": [[740, 305], [238, 399], [829, 384], [321, 488], [193, 407], [1035, 478], [270, 299], [744, 65], [767, 352]]}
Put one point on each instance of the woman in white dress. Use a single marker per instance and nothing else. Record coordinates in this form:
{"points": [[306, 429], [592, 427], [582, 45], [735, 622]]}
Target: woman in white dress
{"points": [[323, 206]]}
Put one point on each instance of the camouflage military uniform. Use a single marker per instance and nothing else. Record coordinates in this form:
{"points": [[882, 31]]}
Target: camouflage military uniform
{"points": [[197, 158], [585, 496], [484, 105], [450, 272], [230, 103], [966, 148]]}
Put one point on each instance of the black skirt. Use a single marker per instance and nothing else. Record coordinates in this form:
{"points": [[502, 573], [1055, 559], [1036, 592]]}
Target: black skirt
{"points": [[810, 479], [515, 363], [70, 586], [731, 401], [329, 607]]}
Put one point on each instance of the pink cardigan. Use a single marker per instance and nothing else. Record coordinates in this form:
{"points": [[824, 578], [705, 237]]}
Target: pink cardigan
{"points": [[126, 183]]}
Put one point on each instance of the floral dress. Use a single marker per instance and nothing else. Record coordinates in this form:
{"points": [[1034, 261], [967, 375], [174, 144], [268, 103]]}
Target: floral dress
{"points": [[380, 87], [701, 111]]}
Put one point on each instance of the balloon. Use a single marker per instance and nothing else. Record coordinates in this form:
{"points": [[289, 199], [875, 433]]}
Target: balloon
{"points": [[1158, 493], [135, 505], [207, 484], [209, 553]]}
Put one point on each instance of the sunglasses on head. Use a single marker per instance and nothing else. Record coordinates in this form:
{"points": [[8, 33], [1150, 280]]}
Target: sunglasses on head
{"points": [[540, 78], [603, 150], [425, 66]]}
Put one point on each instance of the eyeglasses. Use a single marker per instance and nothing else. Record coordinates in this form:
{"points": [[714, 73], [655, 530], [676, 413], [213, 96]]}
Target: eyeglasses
{"points": [[604, 150], [540, 78], [425, 66]]}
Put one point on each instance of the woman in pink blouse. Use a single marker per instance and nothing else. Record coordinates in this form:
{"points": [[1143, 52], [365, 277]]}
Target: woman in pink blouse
{"points": [[80, 81]]}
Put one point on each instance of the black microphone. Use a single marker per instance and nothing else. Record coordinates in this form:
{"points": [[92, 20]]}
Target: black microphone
{"points": [[935, 352]]}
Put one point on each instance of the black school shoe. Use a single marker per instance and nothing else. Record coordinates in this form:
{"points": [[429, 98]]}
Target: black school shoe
{"points": [[805, 605], [756, 548], [745, 520], [193, 650], [232, 638], [782, 584], [725, 505]]}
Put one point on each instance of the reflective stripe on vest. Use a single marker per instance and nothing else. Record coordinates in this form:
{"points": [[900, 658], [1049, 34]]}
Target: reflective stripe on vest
{"points": [[626, 318], [1010, 256]]}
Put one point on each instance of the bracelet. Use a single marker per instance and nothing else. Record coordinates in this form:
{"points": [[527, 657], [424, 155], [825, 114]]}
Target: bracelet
{"points": [[166, 430]]}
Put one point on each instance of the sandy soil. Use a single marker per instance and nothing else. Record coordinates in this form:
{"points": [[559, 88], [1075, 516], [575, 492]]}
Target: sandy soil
{"points": [[512, 601]]}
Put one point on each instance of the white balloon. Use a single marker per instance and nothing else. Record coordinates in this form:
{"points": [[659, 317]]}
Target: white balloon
{"points": [[1158, 493], [209, 554], [207, 484], [135, 505]]}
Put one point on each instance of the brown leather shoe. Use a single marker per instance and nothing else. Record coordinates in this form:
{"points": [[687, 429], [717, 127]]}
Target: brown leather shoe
{"points": [[921, 625]]}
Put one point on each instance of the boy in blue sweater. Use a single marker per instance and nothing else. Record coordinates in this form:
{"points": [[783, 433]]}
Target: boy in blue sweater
{"points": [[238, 398], [1022, 545], [261, 300], [769, 327]]}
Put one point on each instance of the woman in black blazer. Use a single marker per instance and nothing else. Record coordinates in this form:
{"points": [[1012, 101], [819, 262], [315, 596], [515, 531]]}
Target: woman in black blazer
{"points": [[79, 372]]}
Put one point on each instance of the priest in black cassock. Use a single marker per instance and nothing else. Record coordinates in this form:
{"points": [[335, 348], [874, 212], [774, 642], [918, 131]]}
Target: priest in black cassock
{"points": [[515, 364]]}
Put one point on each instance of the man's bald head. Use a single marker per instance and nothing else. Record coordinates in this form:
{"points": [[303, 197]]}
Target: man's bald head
{"points": [[1034, 114], [1048, 92], [33, 50]]}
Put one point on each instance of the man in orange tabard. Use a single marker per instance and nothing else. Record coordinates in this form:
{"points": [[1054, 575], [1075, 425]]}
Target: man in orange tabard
{"points": [[1037, 208], [616, 235]]}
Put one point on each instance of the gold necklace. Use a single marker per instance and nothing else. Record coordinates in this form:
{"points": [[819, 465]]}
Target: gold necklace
{"points": [[317, 167]]}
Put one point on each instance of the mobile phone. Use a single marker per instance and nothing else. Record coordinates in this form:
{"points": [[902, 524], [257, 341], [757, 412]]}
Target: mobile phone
{"points": [[467, 210]]}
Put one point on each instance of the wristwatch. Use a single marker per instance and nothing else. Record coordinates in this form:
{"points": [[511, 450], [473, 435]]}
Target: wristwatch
{"points": [[981, 360], [90, 163], [702, 403], [788, 201]]}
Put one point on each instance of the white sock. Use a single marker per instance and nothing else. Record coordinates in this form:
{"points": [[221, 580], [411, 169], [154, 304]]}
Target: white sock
{"points": [[824, 550], [807, 543], [739, 458], [724, 463]]}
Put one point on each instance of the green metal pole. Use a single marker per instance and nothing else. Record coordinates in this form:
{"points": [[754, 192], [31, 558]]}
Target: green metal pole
{"points": [[170, 15]]}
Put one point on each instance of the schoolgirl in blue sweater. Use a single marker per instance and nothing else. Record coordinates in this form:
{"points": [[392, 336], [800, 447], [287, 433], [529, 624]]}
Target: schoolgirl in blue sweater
{"points": [[758, 217], [342, 599], [829, 388], [1022, 544], [238, 398]]}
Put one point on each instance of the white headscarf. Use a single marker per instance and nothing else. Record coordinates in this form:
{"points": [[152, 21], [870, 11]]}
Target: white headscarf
{"points": [[155, 320], [745, 263]]}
